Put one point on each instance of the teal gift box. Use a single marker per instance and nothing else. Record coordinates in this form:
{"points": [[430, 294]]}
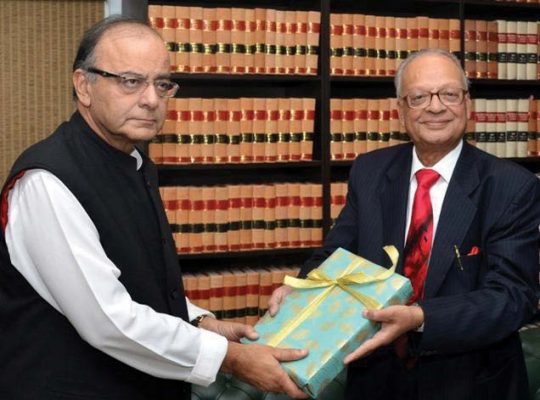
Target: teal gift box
{"points": [[324, 314]]}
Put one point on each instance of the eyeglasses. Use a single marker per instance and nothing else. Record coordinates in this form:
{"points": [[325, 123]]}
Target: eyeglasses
{"points": [[448, 97], [131, 84]]}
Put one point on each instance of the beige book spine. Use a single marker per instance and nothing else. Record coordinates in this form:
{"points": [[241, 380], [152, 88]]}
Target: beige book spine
{"points": [[336, 129], [371, 37], [360, 126], [491, 126], [282, 204], [246, 130], [221, 218], [511, 49], [229, 296], [195, 220], [522, 127], [532, 51], [454, 34], [336, 44], [234, 217], [293, 215], [182, 233], [271, 130], [259, 126], [433, 27], [259, 204], [252, 296], [384, 123], [271, 41], [521, 50], [532, 149], [423, 31], [308, 127], [182, 128], [501, 127], [390, 59], [470, 48], [182, 46], [297, 117], [250, 41], [270, 217], [502, 48], [223, 38], [195, 130], [209, 40], [316, 216], [373, 132], [209, 219], [207, 131], [241, 295], [283, 129], [511, 127], [347, 44], [196, 28], [348, 115], [238, 40], [203, 286], [480, 110], [359, 44], [246, 217], [220, 126], [313, 33], [233, 130]]}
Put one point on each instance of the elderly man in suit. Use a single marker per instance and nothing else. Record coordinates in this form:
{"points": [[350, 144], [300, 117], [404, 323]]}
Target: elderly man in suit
{"points": [[466, 224]]}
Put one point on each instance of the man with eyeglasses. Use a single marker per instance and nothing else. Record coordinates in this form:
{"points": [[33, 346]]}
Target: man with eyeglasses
{"points": [[466, 226], [91, 298]]}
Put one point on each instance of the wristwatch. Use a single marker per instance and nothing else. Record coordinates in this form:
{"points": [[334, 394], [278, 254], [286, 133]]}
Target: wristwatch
{"points": [[197, 321]]}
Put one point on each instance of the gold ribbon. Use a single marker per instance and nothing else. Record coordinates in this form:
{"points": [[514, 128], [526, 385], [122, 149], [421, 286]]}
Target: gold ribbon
{"points": [[318, 279]]}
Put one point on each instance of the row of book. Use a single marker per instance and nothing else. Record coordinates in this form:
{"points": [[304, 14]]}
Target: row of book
{"points": [[209, 219], [501, 49], [374, 45], [241, 130], [370, 45], [239, 40], [361, 125], [506, 127], [239, 295]]}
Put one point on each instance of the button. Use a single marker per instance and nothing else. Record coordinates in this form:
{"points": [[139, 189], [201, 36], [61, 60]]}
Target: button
{"points": [[175, 294], [163, 241]]}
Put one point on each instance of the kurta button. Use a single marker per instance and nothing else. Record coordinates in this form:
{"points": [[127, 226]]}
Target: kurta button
{"points": [[163, 241], [174, 294]]}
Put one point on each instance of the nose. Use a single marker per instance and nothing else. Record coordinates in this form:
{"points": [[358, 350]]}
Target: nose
{"points": [[435, 104], [149, 97]]}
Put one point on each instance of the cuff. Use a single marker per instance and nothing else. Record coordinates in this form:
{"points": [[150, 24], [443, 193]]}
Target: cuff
{"points": [[211, 354]]}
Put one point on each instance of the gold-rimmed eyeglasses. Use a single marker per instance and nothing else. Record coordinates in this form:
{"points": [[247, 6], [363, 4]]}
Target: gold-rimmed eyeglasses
{"points": [[447, 96], [131, 83]]}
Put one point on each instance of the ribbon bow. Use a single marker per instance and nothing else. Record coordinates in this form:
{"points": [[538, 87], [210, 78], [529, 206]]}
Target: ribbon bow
{"points": [[318, 279]]}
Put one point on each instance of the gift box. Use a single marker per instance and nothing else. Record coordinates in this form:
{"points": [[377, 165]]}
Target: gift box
{"points": [[324, 314]]}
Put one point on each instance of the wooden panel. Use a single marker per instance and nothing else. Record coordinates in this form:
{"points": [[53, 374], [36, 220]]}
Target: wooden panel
{"points": [[38, 41]]}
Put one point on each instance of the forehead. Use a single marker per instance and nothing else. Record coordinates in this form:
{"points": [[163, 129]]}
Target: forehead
{"points": [[431, 72], [132, 48]]}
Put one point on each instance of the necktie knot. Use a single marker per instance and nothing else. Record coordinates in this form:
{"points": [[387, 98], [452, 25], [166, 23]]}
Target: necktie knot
{"points": [[426, 178]]}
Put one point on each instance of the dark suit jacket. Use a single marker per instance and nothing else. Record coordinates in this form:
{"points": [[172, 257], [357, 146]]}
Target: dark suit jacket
{"points": [[469, 348]]}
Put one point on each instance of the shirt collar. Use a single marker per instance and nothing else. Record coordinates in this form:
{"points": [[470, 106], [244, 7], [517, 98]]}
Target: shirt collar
{"points": [[137, 156], [445, 166]]}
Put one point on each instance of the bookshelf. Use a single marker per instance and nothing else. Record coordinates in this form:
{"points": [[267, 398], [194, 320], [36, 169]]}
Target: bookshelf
{"points": [[323, 87]]}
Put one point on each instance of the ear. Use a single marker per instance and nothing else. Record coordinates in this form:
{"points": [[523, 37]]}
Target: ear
{"points": [[468, 106], [81, 84], [401, 112]]}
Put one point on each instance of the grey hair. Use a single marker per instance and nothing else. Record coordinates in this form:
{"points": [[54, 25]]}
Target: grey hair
{"points": [[86, 55], [425, 52]]}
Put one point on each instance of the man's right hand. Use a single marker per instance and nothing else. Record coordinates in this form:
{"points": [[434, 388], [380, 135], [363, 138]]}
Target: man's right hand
{"points": [[259, 366], [277, 298]]}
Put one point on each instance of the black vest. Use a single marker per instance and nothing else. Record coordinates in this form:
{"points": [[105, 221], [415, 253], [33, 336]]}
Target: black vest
{"points": [[41, 355]]}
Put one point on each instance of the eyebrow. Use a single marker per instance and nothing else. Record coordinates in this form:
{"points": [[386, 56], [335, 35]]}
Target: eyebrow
{"points": [[164, 75]]}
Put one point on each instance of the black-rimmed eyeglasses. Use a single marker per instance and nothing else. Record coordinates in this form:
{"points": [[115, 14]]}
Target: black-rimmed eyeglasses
{"points": [[131, 84]]}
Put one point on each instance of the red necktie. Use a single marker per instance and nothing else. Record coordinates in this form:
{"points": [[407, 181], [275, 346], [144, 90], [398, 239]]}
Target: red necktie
{"points": [[420, 235], [417, 249]]}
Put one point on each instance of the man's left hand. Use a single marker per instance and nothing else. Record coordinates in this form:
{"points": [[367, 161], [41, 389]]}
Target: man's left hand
{"points": [[395, 321], [233, 331]]}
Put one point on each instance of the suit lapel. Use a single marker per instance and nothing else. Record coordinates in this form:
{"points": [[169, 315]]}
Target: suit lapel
{"points": [[393, 200], [457, 213]]}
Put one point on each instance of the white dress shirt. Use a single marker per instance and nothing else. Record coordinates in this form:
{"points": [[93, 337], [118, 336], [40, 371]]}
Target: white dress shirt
{"points": [[55, 245], [445, 167]]}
